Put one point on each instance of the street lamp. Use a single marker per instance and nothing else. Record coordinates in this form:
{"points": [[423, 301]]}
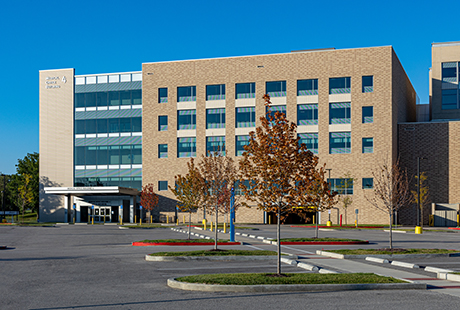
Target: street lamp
{"points": [[418, 189]]}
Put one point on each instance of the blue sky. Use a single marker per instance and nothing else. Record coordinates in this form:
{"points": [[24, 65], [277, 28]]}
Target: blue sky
{"points": [[116, 36]]}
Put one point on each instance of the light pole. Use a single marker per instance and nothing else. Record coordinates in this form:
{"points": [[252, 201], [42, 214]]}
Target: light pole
{"points": [[418, 190], [3, 196]]}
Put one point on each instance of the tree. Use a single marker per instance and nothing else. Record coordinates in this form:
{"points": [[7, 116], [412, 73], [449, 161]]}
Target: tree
{"points": [[149, 200], [281, 172], [220, 175], [391, 190], [343, 196], [190, 191], [26, 192], [424, 194]]}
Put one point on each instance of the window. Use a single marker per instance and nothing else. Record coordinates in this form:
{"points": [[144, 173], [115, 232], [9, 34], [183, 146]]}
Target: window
{"points": [[368, 115], [186, 93], [276, 89], [241, 141], [136, 122], [163, 95], [215, 92], [90, 99], [245, 90], [136, 96], [186, 147], [368, 183], [339, 113], [102, 99], [449, 72], [186, 119], [137, 154], [307, 114], [162, 185], [80, 100], [307, 87], [368, 145], [310, 140], [340, 85], [449, 99], [276, 108], [341, 186], [339, 142], [125, 124], [90, 126], [368, 84], [238, 190], [162, 122], [162, 151], [245, 117], [114, 98], [215, 145], [215, 118], [125, 97]]}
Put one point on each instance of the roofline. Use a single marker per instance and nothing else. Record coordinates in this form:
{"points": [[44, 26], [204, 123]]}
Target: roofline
{"points": [[453, 43], [113, 73]]}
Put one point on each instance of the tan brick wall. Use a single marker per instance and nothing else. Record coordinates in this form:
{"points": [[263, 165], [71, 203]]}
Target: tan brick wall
{"points": [[322, 65]]}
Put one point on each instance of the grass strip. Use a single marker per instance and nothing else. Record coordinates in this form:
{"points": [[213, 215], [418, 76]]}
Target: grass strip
{"points": [[291, 278], [315, 239], [144, 226], [394, 251], [182, 241], [216, 253]]}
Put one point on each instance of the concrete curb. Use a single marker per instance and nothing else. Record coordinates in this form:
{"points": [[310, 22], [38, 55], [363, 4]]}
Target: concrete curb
{"points": [[120, 227], [385, 256], [324, 270], [209, 258], [437, 270], [404, 264], [289, 261], [396, 231], [307, 266], [449, 276], [377, 260], [173, 283]]}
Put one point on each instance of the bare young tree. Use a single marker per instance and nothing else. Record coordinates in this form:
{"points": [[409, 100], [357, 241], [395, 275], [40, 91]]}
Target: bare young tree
{"points": [[391, 190], [423, 193], [343, 196]]}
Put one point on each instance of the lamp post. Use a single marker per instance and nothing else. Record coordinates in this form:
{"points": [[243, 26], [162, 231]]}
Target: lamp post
{"points": [[418, 190]]}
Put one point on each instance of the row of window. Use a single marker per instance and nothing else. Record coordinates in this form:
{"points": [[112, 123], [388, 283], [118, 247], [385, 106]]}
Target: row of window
{"points": [[108, 155], [307, 114], [129, 182], [108, 125], [341, 186], [340, 85], [339, 143], [108, 98]]}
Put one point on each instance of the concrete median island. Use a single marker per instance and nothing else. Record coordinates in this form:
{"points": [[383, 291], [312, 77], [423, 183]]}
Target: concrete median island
{"points": [[219, 255], [387, 254], [318, 241]]}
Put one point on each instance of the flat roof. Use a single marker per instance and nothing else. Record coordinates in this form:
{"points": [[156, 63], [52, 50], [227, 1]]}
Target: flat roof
{"points": [[92, 191]]}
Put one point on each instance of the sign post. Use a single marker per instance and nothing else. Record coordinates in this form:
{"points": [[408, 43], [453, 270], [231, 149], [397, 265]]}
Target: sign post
{"points": [[140, 217], [232, 216], [356, 221]]}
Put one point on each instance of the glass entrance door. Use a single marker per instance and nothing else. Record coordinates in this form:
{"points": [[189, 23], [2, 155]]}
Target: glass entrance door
{"points": [[101, 214]]}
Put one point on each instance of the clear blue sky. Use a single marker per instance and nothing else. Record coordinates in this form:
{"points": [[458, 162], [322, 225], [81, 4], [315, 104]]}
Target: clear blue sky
{"points": [[115, 36]]}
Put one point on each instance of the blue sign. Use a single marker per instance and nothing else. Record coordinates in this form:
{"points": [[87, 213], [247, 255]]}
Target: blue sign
{"points": [[121, 207], [140, 207], [92, 207]]}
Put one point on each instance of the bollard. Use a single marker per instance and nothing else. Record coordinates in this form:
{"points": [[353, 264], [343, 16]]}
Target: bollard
{"points": [[204, 224], [92, 220], [177, 221], [225, 228], [211, 225], [140, 221], [167, 219], [458, 219], [269, 220], [183, 219], [418, 230], [314, 220], [340, 220], [135, 219], [119, 217], [151, 219], [329, 223], [356, 224]]}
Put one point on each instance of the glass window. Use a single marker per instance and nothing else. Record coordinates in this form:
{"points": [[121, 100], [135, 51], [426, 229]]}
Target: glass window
{"points": [[368, 183], [276, 108], [125, 124], [307, 114], [79, 100], [136, 96], [340, 85], [114, 125], [91, 152], [186, 147], [341, 186], [80, 155], [215, 145], [186, 119], [215, 92], [339, 113], [125, 97], [101, 99], [215, 118], [276, 88], [90, 99], [368, 84], [238, 190], [125, 154], [186, 93], [310, 140], [114, 155], [162, 122], [368, 115], [449, 99], [245, 117], [449, 72], [162, 151], [114, 98], [90, 126], [307, 87], [368, 145], [136, 123], [339, 142], [245, 90], [102, 125], [162, 185], [241, 141], [102, 155], [137, 154], [80, 127], [162, 95]]}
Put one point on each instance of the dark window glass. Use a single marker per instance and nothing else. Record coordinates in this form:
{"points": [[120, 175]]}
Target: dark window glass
{"points": [[341, 186], [125, 153], [79, 100], [276, 108], [215, 92], [215, 145], [162, 122], [114, 98], [162, 95], [368, 183], [102, 125], [241, 141], [90, 99], [186, 93], [186, 119], [137, 154], [245, 90], [136, 96], [80, 155], [245, 117], [90, 126], [310, 140], [339, 142], [91, 155], [339, 113], [103, 155], [136, 124], [307, 114], [114, 125], [125, 125], [368, 84], [215, 118], [368, 145], [276, 88], [101, 99], [186, 147], [307, 87], [162, 185], [449, 99], [80, 127], [340, 85], [114, 155], [125, 97], [368, 115], [162, 151], [449, 72]]}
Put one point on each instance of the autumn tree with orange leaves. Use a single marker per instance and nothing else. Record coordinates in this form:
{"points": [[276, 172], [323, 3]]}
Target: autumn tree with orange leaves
{"points": [[283, 173], [149, 200]]}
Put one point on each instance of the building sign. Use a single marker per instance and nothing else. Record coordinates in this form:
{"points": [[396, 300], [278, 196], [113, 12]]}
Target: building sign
{"points": [[54, 81]]}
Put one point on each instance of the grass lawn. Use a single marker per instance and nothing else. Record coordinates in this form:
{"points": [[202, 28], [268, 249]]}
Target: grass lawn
{"points": [[291, 278], [216, 253], [181, 241], [315, 239], [395, 251]]}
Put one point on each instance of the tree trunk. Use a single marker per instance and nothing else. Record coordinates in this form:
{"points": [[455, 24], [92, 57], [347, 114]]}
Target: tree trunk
{"points": [[391, 231], [279, 240], [217, 225], [316, 230], [189, 223]]}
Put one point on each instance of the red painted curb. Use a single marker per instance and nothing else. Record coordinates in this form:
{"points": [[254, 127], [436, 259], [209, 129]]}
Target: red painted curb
{"points": [[183, 243], [454, 228], [338, 226], [325, 242]]}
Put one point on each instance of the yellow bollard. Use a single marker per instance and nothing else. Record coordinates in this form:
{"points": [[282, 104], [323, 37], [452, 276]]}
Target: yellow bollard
{"points": [[329, 223], [204, 224], [225, 228], [458, 219], [183, 219], [135, 219], [151, 219], [418, 230], [356, 224], [269, 220], [314, 222], [211, 225], [92, 220], [140, 221], [167, 219], [177, 221], [121, 222]]}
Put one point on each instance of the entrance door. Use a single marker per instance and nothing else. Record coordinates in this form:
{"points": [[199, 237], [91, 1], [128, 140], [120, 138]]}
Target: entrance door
{"points": [[83, 214], [101, 215], [114, 214]]}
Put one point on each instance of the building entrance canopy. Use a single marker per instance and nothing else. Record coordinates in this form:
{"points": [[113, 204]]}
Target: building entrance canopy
{"points": [[92, 191]]}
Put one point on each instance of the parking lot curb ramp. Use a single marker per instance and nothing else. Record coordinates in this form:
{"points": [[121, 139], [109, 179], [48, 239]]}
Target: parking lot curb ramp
{"points": [[173, 283]]}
